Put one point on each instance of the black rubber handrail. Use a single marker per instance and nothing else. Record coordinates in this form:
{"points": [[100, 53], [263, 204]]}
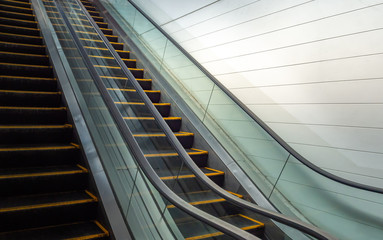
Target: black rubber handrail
{"points": [[304, 227], [165, 191], [251, 114]]}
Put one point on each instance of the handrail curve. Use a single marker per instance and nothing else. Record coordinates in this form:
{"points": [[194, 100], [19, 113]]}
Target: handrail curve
{"points": [[251, 114]]}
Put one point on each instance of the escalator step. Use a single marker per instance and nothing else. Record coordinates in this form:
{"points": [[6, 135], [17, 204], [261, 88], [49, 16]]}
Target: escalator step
{"points": [[17, 15], [23, 181], [27, 83], [141, 110], [30, 98], [132, 95], [123, 82], [32, 115], [15, 9], [33, 134], [22, 48], [38, 155], [19, 30], [198, 156], [160, 141], [16, 3], [197, 230], [21, 38], [23, 58], [79, 230], [150, 125], [18, 22], [31, 211]]}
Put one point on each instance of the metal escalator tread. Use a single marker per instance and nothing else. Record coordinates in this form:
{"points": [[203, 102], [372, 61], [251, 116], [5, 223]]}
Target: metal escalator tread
{"points": [[44, 184]]}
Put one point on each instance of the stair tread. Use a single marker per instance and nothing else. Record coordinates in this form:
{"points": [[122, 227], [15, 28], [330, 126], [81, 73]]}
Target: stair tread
{"points": [[165, 153], [78, 230], [154, 134], [28, 202], [202, 197]]}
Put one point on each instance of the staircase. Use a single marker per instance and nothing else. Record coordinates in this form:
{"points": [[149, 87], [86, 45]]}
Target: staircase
{"points": [[44, 182], [163, 159]]}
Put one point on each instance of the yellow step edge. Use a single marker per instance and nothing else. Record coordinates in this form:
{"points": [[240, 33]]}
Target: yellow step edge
{"points": [[28, 3], [95, 40], [24, 54], [215, 173], [113, 67], [21, 35], [132, 90], [44, 174], [34, 108], [101, 227], [36, 126], [105, 49], [15, 7], [178, 134], [37, 148], [88, 237], [151, 118], [46, 205], [30, 92], [124, 78], [253, 220], [36, 78], [139, 103], [23, 44], [17, 13], [172, 154], [18, 20], [25, 65], [202, 202], [104, 57]]}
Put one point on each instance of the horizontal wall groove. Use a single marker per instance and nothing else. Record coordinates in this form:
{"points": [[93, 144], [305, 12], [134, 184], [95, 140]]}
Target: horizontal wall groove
{"points": [[284, 28], [308, 83], [326, 125], [299, 64], [219, 15], [333, 147], [293, 45], [254, 19]]}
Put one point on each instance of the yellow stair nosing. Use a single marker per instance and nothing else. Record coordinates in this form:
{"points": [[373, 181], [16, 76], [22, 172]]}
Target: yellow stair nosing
{"points": [[21, 35]]}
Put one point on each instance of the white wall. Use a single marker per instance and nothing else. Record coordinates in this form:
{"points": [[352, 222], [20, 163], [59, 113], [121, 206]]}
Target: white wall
{"points": [[312, 70]]}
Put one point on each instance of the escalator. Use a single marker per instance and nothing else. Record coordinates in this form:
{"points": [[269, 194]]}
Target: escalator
{"points": [[152, 141], [45, 184]]}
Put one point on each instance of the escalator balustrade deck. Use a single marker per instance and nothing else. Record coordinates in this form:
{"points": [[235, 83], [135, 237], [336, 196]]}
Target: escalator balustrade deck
{"points": [[44, 182], [182, 181]]}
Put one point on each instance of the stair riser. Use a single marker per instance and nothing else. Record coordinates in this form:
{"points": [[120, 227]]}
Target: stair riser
{"points": [[38, 158], [28, 71], [44, 184], [28, 84], [30, 100], [22, 59], [21, 31], [33, 136], [142, 111], [47, 216], [151, 126], [162, 143], [16, 116]]}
